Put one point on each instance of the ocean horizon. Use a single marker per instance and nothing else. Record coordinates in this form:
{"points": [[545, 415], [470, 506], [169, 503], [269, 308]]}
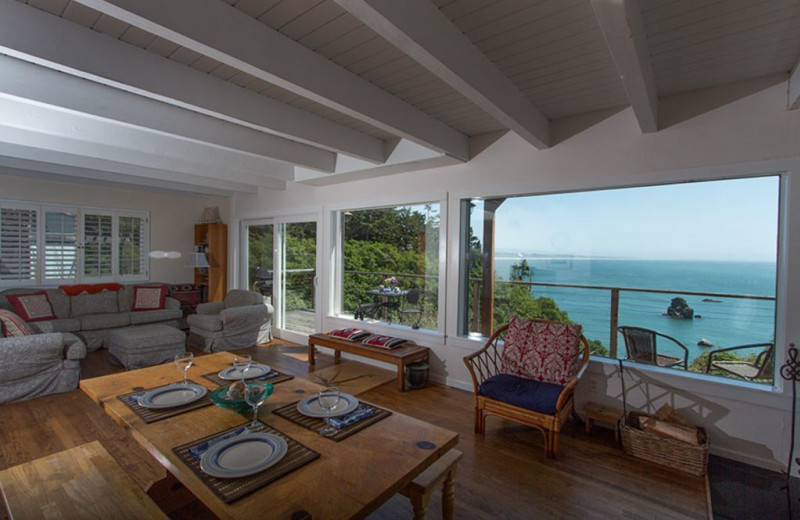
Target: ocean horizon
{"points": [[720, 318]]}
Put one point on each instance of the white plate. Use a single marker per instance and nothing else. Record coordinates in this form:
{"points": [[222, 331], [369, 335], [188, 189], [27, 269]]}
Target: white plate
{"points": [[175, 395], [243, 455], [255, 371], [310, 406]]}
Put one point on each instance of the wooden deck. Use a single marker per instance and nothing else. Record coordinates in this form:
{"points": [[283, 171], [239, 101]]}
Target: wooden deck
{"points": [[502, 475]]}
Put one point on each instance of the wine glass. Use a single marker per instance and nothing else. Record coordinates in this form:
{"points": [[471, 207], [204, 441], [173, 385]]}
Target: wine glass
{"points": [[242, 362], [255, 393], [328, 399], [183, 362]]}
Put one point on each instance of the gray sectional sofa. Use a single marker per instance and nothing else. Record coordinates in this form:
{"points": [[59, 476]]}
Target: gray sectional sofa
{"points": [[92, 317], [40, 364]]}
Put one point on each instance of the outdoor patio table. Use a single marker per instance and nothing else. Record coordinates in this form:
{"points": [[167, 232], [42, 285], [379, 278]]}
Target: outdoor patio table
{"points": [[389, 299], [349, 479]]}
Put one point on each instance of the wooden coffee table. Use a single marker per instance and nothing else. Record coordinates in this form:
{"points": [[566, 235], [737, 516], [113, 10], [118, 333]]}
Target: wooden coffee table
{"points": [[400, 357], [350, 479]]}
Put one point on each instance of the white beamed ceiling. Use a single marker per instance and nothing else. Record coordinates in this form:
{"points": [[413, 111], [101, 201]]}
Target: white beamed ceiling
{"points": [[357, 77]]}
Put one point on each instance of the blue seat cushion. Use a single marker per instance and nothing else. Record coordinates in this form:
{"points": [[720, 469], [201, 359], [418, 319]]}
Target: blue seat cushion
{"points": [[536, 396]]}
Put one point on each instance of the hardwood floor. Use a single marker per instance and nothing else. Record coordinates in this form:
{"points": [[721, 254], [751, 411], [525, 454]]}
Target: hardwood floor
{"points": [[502, 475]]}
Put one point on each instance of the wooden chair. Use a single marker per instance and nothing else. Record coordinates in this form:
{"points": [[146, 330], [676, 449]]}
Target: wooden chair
{"points": [[486, 365], [761, 368], [440, 473], [641, 345]]}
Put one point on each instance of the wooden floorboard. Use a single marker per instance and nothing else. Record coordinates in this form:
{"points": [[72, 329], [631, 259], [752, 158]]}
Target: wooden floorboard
{"points": [[503, 474]]}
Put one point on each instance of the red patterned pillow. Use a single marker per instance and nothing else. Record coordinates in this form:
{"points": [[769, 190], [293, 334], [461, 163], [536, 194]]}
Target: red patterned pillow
{"points": [[13, 325], [32, 307], [148, 297], [542, 350]]}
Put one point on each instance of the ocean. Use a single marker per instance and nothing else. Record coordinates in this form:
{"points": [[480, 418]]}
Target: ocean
{"points": [[723, 321]]}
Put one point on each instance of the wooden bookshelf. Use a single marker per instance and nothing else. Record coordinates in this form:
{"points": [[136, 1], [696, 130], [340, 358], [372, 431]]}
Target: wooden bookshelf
{"points": [[213, 240]]}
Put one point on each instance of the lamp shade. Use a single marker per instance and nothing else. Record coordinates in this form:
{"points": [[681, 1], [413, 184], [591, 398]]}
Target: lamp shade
{"points": [[197, 260]]}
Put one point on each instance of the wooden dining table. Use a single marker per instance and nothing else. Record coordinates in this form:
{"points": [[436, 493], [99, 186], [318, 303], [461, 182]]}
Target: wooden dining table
{"points": [[350, 479]]}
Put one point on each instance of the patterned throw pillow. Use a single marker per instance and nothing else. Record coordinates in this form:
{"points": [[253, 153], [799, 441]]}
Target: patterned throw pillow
{"points": [[542, 350], [148, 297], [32, 307], [13, 325]]}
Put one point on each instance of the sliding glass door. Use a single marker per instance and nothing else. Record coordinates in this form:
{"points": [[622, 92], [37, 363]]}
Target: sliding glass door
{"points": [[280, 262]]}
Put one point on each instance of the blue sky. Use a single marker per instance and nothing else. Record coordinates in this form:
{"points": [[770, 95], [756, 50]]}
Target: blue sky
{"points": [[716, 220]]}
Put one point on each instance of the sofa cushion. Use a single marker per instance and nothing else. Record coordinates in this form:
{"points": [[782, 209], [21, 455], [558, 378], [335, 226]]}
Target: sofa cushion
{"points": [[148, 298], [137, 318], [99, 303], [105, 321], [59, 325], [537, 396], [59, 302], [13, 326], [209, 322], [541, 350], [32, 306]]}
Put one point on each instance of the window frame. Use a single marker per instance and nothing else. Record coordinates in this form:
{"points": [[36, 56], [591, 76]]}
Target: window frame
{"points": [[41, 209], [336, 247], [693, 381]]}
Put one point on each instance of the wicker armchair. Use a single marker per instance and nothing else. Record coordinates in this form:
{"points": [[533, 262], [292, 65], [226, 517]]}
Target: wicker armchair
{"points": [[547, 411]]}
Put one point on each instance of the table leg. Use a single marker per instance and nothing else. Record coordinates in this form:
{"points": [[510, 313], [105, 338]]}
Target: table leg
{"points": [[337, 356], [311, 352], [401, 377]]}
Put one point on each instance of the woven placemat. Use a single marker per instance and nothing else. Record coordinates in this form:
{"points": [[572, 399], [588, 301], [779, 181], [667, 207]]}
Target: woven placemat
{"points": [[150, 415], [273, 377], [230, 489], [290, 412]]}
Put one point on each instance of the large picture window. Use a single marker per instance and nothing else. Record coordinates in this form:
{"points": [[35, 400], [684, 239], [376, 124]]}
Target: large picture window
{"points": [[679, 276], [49, 245], [390, 265]]}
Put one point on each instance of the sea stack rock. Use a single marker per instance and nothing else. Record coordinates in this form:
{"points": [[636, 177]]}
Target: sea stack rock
{"points": [[680, 309]]}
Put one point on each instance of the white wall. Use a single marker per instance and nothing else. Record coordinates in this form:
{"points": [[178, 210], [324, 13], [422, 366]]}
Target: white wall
{"points": [[732, 131], [172, 217]]}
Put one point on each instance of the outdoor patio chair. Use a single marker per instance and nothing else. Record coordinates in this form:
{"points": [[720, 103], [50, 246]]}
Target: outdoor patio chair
{"points": [[412, 307], [761, 368], [527, 372], [641, 345]]}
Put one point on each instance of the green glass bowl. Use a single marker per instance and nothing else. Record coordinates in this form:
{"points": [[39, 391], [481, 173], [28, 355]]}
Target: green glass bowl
{"points": [[220, 398]]}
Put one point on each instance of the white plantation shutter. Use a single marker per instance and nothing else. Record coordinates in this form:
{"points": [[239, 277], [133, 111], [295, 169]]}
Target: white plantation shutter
{"points": [[98, 246], [48, 245], [60, 245], [132, 246], [18, 244]]}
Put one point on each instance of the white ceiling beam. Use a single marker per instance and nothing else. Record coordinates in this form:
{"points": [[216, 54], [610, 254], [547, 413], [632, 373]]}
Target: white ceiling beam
{"points": [[623, 29], [124, 143], [32, 154], [794, 88], [39, 37], [218, 30], [422, 31], [83, 175], [32, 82]]}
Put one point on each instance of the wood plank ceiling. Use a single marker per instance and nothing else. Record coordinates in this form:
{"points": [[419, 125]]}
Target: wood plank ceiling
{"points": [[353, 78]]}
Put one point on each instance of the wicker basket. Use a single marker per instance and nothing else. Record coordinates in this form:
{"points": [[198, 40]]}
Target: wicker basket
{"points": [[660, 450]]}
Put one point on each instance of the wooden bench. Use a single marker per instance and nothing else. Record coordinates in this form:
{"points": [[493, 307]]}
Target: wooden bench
{"points": [[443, 472], [81, 482], [400, 357]]}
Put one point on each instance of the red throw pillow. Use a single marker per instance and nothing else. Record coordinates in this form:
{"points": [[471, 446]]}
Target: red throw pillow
{"points": [[74, 290], [148, 297], [32, 307], [542, 350], [13, 325]]}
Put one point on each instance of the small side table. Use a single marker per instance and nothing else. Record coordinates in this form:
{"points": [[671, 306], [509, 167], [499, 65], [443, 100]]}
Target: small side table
{"points": [[595, 412]]}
